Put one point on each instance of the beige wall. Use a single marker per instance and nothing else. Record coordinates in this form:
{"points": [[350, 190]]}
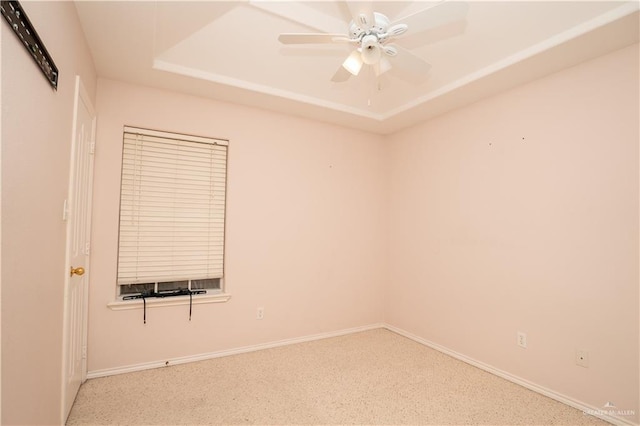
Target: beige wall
{"points": [[36, 139], [520, 213], [306, 220]]}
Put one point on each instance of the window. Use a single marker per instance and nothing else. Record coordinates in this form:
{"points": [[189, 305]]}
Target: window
{"points": [[172, 213]]}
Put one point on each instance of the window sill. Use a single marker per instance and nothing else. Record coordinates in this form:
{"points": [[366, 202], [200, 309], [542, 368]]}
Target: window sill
{"points": [[120, 305]]}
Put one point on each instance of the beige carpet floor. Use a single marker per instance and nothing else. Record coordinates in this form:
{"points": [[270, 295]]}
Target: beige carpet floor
{"points": [[373, 377]]}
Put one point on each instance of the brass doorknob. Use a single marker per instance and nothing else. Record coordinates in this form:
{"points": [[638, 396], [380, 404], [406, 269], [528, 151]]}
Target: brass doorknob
{"points": [[77, 271]]}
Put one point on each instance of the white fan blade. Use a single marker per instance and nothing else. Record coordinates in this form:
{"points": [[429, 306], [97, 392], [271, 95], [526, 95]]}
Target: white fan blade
{"points": [[435, 16], [301, 13], [312, 38], [408, 66], [341, 75], [361, 13]]}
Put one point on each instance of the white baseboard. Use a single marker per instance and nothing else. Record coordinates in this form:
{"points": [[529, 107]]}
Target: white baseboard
{"points": [[596, 412], [201, 357]]}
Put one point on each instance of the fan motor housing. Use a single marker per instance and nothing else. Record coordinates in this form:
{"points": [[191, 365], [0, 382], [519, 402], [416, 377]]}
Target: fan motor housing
{"points": [[380, 25]]}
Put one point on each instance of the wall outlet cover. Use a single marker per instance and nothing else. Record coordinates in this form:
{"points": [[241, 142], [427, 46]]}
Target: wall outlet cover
{"points": [[522, 339]]}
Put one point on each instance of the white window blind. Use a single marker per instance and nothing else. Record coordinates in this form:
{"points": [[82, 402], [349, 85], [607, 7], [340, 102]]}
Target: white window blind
{"points": [[172, 207]]}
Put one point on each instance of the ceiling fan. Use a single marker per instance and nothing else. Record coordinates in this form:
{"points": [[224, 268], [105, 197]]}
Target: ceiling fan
{"points": [[372, 34]]}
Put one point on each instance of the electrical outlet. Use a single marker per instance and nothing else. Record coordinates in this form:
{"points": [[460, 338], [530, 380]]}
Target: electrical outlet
{"points": [[260, 313], [582, 358], [522, 339]]}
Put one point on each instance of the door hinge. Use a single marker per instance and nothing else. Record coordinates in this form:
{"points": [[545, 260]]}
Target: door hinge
{"points": [[92, 147], [84, 352], [65, 210], [87, 248]]}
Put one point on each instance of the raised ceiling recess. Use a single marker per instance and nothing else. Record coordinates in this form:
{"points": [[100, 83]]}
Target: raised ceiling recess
{"points": [[377, 66]]}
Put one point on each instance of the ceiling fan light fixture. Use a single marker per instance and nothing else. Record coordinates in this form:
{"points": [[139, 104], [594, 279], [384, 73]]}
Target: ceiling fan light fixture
{"points": [[353, 63], [370, 49], [372, 35]]}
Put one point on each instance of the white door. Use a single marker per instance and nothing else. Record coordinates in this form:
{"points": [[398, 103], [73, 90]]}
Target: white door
{"points": [[78, 216]]}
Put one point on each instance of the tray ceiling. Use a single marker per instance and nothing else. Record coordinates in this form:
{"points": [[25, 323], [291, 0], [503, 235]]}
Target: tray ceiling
{"points": [[230, 51]]}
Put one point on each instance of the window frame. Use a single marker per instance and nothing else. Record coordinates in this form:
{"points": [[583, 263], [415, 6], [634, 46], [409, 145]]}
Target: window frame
{"points": [[212, 295]]}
